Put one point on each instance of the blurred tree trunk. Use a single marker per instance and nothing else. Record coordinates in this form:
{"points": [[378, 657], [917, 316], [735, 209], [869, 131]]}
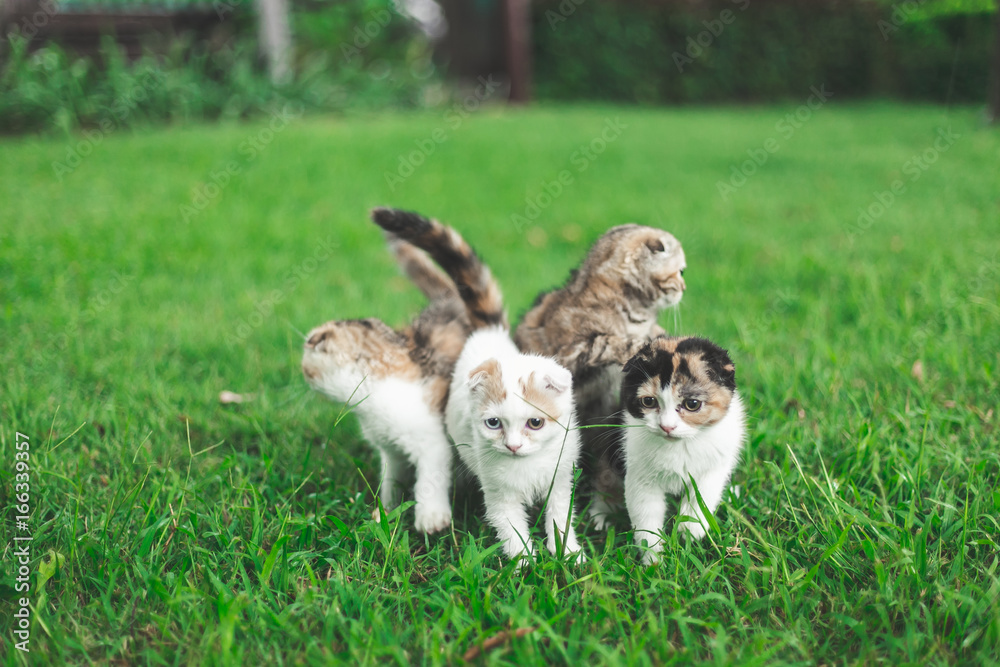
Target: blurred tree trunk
{"points": [[275, 38], [518, 37], [993, 103]]}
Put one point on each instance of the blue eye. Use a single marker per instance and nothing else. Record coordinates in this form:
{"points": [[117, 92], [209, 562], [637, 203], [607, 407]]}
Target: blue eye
{"points": [[493, 423]]}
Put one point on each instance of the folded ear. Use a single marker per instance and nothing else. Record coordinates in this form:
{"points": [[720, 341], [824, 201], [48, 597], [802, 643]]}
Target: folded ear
{"points": [[557, 380], [485, 373]]}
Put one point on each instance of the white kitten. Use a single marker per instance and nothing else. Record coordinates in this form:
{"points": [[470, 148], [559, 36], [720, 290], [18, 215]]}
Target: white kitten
{"points": [[511, 417], [684, 420]]}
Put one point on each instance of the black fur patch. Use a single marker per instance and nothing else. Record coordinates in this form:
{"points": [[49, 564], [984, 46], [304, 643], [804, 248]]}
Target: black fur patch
{"points": [[404, 224], [652, 361], [720, 367]]}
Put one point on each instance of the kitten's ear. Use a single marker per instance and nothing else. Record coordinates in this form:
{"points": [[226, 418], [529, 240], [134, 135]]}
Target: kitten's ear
{"points": [[482, 374], [557, 380], [656, 245]]}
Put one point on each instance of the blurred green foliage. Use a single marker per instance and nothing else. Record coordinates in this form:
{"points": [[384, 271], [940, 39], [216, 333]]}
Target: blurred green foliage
{"points": [[348, 55], [724, 50]]}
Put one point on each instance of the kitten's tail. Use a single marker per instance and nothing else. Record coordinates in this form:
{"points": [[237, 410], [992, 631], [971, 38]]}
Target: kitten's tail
{"points": [[421, 269], [476, 286]]}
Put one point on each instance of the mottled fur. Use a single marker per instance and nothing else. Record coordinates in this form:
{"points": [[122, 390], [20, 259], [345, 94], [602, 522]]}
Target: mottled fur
{"points": [[476, 287], [595, 323], [398, 380], [510, 414], [684, 420]]}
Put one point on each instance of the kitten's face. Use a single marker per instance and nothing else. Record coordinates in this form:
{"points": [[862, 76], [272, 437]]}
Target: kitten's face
{"points": [[678, 386], [651, 260], [520, 416]]}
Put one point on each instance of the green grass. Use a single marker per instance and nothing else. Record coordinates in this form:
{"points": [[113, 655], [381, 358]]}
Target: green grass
{"points": [[200, 533]]}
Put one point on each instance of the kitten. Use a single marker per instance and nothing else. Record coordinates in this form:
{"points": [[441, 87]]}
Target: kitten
{"points": [[398, 381], [597, 322], [510, 414], [684, 419]]}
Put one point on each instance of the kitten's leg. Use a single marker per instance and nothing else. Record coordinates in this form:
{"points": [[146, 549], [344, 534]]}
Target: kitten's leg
{"points": [[606, 485], [389, 491], [433, 483], [559, 516], [601, 350], [389, 488], [506, 514], [647, 509], [711, 486]]}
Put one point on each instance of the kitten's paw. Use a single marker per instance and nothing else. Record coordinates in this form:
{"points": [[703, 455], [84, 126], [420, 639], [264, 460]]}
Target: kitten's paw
{"points": [[432, 519], [600, 517], [691, 530], [650, 557]]}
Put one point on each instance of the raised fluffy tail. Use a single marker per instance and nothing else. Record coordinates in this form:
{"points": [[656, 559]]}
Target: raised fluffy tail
{"points": [[480, 293]]}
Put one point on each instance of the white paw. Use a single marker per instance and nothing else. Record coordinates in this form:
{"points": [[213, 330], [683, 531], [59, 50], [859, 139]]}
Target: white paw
{"points": [[691, 530], [599, 517], [431, 519], [650, 557]]}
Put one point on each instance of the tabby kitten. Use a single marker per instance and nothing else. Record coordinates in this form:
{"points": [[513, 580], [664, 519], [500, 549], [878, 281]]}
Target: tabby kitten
{"points": [[510, 414], [398, 381], [597, 322], [684, 420]]}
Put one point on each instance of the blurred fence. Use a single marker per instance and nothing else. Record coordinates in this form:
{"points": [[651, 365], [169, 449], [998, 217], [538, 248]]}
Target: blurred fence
{"points": [[670, 51]]}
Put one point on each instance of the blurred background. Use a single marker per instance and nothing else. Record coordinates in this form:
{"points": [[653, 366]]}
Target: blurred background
{"points": [[65, 62]]}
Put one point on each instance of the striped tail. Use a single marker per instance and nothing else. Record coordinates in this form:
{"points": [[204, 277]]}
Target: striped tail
{"points": [[476, 286]]}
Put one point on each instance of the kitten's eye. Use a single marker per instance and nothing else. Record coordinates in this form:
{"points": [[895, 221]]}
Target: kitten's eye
{"points": [[493, 423], [682, 272], [691, 404], [535, 423], [647, 402]]}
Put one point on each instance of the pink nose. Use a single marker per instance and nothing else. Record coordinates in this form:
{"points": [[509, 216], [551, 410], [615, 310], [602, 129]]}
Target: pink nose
{"points": [[513, 448], [667, 429]]}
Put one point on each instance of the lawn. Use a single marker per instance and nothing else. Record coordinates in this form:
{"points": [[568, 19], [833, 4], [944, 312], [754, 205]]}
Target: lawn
{"points": [[147, 272]]}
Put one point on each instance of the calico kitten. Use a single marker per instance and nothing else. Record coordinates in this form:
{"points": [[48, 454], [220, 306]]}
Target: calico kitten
{"points": [[398, 380], [510, 414], [684, 420], [598, 321]]}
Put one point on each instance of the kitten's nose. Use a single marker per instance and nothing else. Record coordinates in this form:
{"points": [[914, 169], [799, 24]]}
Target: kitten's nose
{"points": [[513, 448], [667, 429]]}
